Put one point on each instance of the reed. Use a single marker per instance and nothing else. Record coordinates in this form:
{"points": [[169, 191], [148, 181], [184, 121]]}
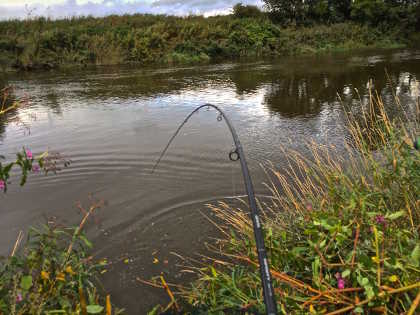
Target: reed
{"points": [[342, 232]]}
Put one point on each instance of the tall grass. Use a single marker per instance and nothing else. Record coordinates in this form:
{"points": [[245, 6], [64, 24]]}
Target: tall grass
{"points": [[342, 232]]}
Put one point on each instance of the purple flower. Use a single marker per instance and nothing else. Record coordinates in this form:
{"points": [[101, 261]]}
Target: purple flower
{"points": [[29, 154], [19, 298], [341, 283], [35, 168], [2, 184], [380, 219]]}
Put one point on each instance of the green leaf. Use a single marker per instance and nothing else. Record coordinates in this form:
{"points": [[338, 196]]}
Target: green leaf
{"points": [[358, 310], [155, 310], [297, 250], [213, 271], [94, 309], [346, 273], [86, 241], [369, 292], [26, 282], [395, 215], [415, 255], [365, 281]]}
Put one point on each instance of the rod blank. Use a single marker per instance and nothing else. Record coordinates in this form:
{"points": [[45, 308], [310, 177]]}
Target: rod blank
{"points": [[268, 291]]}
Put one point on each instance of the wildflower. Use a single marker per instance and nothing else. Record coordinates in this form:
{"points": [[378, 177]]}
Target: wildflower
{"points": [[29, 154], [380, 219], [45, 275], [35, 168], [375, 259], [311, 309], [19, 298], [393, 278], [69, 270], [2, 184], [309, 206], [60, 277], [341, 284]]}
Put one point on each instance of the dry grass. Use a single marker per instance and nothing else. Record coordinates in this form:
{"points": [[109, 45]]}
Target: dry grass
{"points": [[342, 231]]}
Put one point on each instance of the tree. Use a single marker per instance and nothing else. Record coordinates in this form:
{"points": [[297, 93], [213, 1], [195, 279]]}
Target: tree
{"points": [[287, 11], [304, 11], [246, 11]]}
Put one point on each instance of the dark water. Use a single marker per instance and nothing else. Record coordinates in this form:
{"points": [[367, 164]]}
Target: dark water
{"points": [[113, 123]]}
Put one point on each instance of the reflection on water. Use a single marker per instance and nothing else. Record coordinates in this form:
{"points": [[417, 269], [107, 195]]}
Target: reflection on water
{"points": [[113, 123]]}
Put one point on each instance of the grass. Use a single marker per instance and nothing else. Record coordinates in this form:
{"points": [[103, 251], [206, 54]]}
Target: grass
{"points": [[342, 232]]}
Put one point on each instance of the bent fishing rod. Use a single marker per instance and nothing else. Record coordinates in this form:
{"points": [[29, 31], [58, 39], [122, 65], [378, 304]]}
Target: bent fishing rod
{"points": [[234, 155]]}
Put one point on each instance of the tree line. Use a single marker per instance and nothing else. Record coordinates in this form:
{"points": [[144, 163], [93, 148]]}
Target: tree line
{"points": [[306, 12]]}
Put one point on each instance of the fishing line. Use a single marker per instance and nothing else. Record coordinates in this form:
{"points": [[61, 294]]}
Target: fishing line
{"points": [[238, 154]]}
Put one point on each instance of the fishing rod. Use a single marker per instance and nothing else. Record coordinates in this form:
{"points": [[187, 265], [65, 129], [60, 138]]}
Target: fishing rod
{"points": [[235, 155]]}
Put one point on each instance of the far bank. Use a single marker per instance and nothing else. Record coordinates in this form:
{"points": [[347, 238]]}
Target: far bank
{"points": [[168, 40]]}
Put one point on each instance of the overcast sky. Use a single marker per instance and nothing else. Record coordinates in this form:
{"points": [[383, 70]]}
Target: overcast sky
{"points": [[64, 8]]}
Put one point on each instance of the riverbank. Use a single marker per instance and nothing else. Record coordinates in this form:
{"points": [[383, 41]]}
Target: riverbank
{"points": [[148, 39], [342, 233]]}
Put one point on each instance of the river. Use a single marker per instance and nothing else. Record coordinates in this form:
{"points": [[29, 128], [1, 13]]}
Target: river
{"points": [[113, 123]]}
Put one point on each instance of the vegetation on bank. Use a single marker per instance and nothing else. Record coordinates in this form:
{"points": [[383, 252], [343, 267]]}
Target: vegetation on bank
{"points": [[52, 273], [342, 232], [311, 27]]}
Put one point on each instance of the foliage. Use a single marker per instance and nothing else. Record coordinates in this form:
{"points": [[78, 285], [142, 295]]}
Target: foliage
{"points": [[27, 164], [41, 43], [388, 13], [53, 274], [342, 234], [246, 11]]}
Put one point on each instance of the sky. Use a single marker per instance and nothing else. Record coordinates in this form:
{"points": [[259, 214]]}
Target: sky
{"points": [[65, 8]]}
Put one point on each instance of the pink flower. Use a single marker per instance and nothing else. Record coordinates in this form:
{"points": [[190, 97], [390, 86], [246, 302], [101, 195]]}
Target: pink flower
{"points": [[2, 184], [380, 219], [309, 206], [19, 298], [29, 154], [341, 284], [35, 168]]}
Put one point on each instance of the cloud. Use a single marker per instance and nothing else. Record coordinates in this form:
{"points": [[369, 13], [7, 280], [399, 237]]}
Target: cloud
{"points": [[65, 8], [22, 3]]}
